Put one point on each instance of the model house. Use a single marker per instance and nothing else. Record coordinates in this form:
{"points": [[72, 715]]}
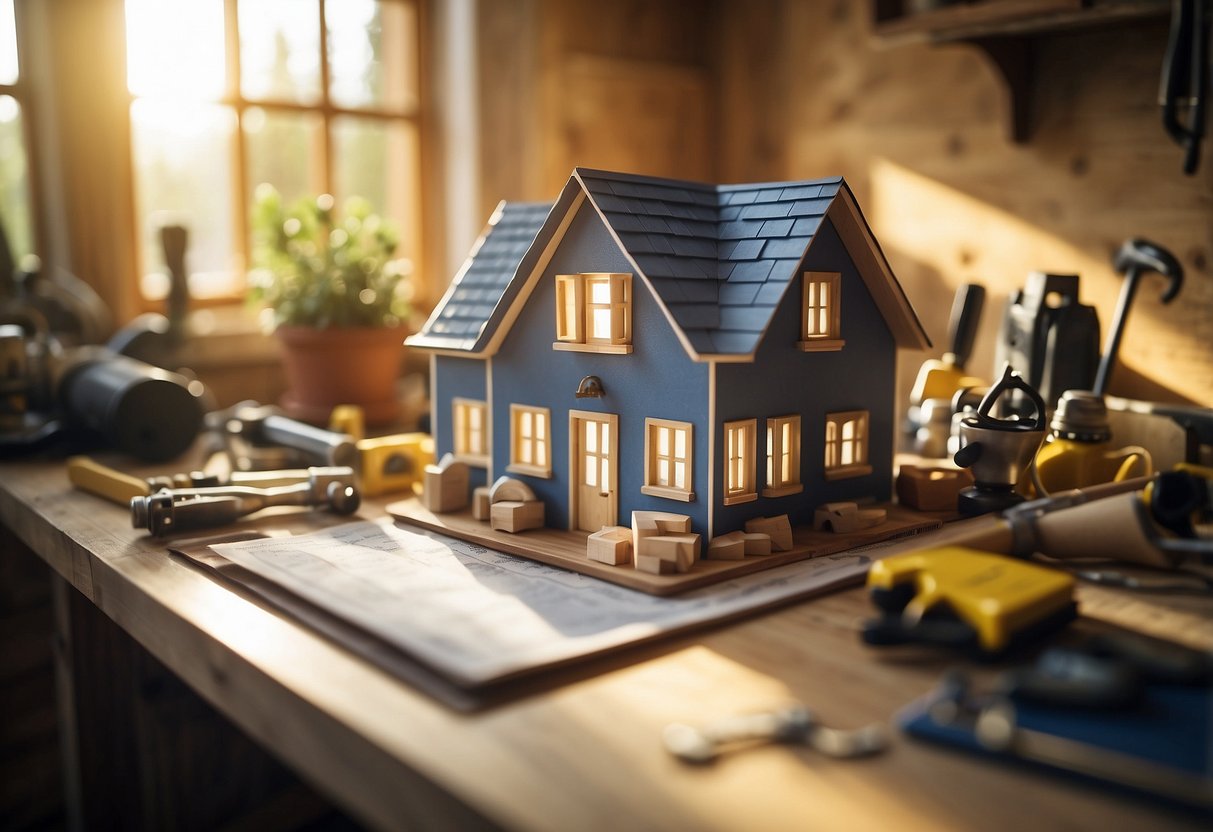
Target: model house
{"points": [[723, 352]]}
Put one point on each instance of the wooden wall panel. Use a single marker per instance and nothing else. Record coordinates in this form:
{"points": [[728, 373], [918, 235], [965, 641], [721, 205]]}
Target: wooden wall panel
{"points": [[920, 133]]}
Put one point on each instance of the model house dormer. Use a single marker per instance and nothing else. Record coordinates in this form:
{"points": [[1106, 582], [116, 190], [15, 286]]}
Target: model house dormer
{"points": [[723, 352]]}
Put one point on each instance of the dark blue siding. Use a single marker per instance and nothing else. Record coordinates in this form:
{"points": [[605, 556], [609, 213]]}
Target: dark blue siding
{"points": [[463, 378], [656, 380], [784, 381]]}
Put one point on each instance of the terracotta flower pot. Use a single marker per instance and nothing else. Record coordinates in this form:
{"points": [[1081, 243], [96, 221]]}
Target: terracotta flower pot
{"points": [[328, 367]]}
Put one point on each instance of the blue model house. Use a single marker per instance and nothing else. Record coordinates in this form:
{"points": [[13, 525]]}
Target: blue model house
{"points": [[722, 352]]}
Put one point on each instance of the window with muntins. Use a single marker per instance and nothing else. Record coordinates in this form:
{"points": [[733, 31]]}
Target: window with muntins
{"points": [[594, 312], [530, 448], [820, 312], [470, 422], [667, 453], [846, 445], [739, 464], [783, 457]]}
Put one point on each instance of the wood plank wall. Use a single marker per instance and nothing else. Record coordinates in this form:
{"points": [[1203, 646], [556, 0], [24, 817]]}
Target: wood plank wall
{"points": [[784, 89]]}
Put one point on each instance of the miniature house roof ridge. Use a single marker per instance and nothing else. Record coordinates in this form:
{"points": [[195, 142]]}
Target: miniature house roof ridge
{"points": [[718, 259]]}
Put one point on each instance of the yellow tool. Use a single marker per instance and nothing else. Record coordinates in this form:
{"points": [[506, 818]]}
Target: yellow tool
{"points": [[963, 597], [95, 478], [386, 463], [941, 378]]}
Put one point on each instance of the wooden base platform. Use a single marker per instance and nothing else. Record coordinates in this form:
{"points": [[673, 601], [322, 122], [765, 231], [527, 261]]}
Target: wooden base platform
{"points": [[567, 549]]}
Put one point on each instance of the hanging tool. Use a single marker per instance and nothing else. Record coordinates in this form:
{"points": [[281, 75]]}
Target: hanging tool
{"points": [[1185, 78], [180, 509], [793, 724], [1136, 258]]}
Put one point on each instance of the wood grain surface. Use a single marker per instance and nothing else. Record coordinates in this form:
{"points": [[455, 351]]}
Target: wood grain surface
{"points": [[585, 754]]}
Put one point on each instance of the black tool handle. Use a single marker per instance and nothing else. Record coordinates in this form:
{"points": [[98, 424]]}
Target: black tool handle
{"points": [[962, 323]]}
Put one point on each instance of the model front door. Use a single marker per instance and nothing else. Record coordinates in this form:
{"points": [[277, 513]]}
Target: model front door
{"points": [[593, 446]]}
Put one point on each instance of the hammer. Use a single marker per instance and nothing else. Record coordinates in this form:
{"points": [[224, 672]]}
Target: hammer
{"points": [[1136, 257]]}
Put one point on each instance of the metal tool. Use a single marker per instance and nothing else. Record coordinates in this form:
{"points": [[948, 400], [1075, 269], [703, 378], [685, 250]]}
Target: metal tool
{"points": [[1185, 78], [248, 428], [179, 509], [1137, 257], [793, 724]]}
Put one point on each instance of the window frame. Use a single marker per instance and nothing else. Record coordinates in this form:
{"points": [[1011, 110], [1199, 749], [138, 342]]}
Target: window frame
{"points": [[653, 456], [744, 434], [329, 113], [518, 441], [22, 92], [812, 306], [834, 441], [776, 450], [462, 431], [575, 306]]}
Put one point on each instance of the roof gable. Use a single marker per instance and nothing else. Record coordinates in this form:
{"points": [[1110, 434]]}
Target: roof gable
{"points": [[718, 258]]}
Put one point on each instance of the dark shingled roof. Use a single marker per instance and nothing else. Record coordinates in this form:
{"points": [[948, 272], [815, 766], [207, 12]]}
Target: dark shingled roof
{"points": [[718, 257], [461, 316]]}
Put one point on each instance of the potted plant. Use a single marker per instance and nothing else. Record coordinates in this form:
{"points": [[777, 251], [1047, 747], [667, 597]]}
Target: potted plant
{"points": [[338, 302]]}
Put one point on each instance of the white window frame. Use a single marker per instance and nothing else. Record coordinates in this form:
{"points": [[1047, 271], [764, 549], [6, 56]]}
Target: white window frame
{"points": [[839, 445], [530, 449], [576, 308], [469, 444], [820, 302], [783, 457], [739, 482], [663, 435]]}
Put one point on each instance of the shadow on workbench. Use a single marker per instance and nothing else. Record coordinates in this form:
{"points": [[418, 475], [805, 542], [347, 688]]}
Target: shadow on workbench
{"points": [[148, 752]]}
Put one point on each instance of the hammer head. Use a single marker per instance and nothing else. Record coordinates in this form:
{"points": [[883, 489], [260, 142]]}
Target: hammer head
{"points": [[1137, 256]]}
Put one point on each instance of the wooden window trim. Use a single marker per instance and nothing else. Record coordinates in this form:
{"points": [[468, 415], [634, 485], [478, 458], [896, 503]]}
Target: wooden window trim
{"points": [[669, 492], [811, 339], [748, 431], [776, 485], [574, 307], [530, 469], [861, 466], [464, 454]]}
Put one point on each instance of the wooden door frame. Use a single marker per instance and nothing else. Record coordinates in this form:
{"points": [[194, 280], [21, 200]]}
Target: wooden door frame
{"points": [[612, 419]]}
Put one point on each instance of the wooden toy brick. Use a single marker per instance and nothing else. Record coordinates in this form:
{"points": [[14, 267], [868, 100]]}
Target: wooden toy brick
{"points": [[778, 528], [756, 543], [843, 517], [446, 485], [729, 546], [931, 489], [681, 549], [647, 524], [508, 488], [516, 516], [654, 565], [610, 544], [480, 502]]}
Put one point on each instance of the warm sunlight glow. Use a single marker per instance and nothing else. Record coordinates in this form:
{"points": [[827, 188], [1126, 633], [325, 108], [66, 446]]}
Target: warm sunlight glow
{"points": [[175, 48], [8, 43]]}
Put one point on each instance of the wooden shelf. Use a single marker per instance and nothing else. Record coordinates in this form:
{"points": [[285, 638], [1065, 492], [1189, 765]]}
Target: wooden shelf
{"points": [[1003, 30]]}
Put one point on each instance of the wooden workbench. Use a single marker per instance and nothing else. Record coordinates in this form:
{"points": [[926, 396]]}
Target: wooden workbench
{"points": [[584, 754]]}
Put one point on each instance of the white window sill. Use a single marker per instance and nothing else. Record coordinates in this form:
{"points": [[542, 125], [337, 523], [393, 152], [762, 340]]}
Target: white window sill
{"points": [[668, 493], [609, 349], [529, 470], [847, 472]]}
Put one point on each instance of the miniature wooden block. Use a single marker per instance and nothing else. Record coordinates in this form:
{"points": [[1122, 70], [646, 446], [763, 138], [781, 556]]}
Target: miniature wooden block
{"points": [[656, 566], [681, 549], [729, 546], [480, 502], [931, 489], [651, 523], [516, 516], [843, 517], [610, 544], [756, 543], [510, 489], [445, 485], [779, 529]]}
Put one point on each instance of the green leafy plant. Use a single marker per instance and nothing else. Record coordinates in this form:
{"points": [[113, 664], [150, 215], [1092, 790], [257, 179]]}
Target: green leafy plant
{"points": [[316, 269]]}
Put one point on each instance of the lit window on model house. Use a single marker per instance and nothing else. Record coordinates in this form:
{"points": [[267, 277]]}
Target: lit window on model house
{"points": [[529, 447], [783, 457], [470, 429], [739, 450], [846, 448], [594, 312], [819, 329], [667, 453]]}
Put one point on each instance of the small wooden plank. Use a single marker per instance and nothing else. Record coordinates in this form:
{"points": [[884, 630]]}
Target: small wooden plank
{"points": [[567, 549]]}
